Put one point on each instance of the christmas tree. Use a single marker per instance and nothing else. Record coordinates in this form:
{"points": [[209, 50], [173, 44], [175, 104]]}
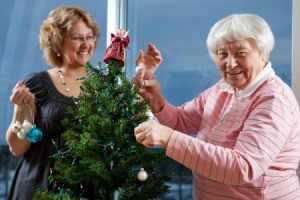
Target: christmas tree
{"points": [[100, 156]]}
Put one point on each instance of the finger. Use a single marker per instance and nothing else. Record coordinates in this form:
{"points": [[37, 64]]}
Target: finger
{"points": [[27, 99], [158, 59], [147, 144], [140, 137], [138, 81], [18, 93], [140, 58], [153, 50], [19, 83], [150, 82], [140, 128], [134, 81]]}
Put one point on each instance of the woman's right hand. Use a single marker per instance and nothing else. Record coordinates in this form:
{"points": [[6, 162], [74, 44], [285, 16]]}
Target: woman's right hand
{"points": [[24, 109], [21, 96], [148, 86]]}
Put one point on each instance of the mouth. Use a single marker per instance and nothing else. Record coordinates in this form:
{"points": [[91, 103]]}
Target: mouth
{"points": [[233, 73], [83, 52]]}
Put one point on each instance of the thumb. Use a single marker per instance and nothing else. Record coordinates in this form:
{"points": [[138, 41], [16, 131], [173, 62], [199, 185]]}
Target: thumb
{"points": [[140, 58]]}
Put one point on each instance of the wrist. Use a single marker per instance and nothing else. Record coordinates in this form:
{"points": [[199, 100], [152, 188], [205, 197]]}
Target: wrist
{"points": [[157, 104]]}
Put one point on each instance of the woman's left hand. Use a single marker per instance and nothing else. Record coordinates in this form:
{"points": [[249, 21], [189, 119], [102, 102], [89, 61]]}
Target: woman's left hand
{"points": [[149, 60], [151, 133]]}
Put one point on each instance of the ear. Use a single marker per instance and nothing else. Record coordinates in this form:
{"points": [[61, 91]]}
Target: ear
{"points": [[265, 57]]}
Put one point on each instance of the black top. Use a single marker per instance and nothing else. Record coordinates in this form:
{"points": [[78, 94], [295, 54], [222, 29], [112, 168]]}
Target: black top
{"points": [[33, 168]]}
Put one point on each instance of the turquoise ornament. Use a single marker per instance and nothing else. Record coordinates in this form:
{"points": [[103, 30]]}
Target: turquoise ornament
{"points": [[34, 135]]}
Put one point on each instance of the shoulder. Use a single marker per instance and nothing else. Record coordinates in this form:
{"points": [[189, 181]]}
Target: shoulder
{"points": [[36, 77], [39, 84], [275, 88]]}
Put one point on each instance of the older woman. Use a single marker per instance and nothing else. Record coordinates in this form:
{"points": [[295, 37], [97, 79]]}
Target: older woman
{"points": [[68, 38], [247, 124]]}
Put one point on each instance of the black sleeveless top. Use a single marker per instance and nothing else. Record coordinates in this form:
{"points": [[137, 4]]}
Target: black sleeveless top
{"points": [[33, 168]]}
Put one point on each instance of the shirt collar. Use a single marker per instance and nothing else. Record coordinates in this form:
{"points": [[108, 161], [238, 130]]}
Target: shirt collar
{"points": [[246, 92]]}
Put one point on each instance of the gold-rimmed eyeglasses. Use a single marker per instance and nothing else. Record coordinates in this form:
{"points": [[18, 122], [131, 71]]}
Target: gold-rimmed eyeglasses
{"points": [[81, 39]]}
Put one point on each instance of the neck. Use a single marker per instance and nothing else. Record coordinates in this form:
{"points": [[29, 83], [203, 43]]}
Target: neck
{"points": [[73, 71]]}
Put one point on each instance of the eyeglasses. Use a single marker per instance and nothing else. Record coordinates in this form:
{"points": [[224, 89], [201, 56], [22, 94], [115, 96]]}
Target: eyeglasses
{"points": [[81, 39]]}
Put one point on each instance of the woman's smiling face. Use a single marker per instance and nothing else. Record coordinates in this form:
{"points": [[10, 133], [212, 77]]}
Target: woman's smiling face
{"points": [[239, 62], [78, 45]]}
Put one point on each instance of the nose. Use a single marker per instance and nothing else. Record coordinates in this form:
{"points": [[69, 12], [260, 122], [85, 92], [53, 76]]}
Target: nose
{"points": [[231, 62]]}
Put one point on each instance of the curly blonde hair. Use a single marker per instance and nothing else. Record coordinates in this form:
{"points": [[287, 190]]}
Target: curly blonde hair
{"points": [[55, 27]]}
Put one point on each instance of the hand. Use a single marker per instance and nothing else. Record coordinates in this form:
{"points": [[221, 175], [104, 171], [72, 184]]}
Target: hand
{"points": [[21, 95], [151, 133], [149, 60], [148, 86]]}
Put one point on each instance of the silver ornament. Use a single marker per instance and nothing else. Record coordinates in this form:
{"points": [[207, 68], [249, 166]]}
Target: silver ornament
{"points": [[142, 175], [26, 126], [21, 134], [16, 127]]}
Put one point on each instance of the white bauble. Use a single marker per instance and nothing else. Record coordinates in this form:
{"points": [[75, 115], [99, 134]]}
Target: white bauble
{"points": [[16, 127], [26, 126], [142, 175], [21, 134]]}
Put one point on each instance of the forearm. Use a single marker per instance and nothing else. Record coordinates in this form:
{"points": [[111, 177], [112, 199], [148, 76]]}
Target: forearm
{"points": [[18, 146], [157, 103]]}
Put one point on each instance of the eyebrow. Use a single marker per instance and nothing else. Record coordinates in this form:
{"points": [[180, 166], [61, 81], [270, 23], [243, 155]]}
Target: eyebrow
{"points": [[240, 47]]}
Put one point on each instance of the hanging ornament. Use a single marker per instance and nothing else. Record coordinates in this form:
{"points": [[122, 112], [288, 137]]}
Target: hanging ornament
{"points": [[26, 126], [34, 135], [21, 134], [117, 47], [142, 175], [111, 165], [16, 127]]}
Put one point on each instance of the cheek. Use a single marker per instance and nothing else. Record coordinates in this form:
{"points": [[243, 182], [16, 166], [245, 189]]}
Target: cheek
{"points": [[221, 66]]}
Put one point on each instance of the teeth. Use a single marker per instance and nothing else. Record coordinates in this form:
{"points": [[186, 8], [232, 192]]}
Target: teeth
{"points": [[83, 52], [233, 73]]}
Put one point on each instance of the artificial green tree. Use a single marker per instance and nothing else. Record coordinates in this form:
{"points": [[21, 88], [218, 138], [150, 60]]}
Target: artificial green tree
{"points": [[100, 155]]}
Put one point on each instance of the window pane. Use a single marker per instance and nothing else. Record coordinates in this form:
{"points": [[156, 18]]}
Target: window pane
{"points": [[179, 29]]}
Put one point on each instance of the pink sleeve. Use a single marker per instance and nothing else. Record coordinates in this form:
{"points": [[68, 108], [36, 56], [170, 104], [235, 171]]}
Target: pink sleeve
{"points": [[259, 145], [185, 118]]}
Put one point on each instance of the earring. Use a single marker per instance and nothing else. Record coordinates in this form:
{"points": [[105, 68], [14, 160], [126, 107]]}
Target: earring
{"points": [[58, 55]]}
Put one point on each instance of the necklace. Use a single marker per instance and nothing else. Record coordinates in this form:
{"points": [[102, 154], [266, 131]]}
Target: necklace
{"points": [[65, 85]]}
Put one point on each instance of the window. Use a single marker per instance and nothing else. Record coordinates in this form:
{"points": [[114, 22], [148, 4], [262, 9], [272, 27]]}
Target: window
{"points": [[179, 29]]}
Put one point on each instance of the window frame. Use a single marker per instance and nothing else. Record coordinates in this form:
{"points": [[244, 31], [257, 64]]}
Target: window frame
{"points": [[295, 49]]}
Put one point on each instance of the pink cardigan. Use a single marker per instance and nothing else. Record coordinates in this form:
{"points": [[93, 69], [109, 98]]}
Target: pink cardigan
{"points": [[247, 144]]}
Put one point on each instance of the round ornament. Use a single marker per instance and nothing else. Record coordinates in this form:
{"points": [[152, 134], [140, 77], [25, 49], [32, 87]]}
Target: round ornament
{"points": [[16, 127], [26, 126], [21, 134], [142, 175], [34, 134]]}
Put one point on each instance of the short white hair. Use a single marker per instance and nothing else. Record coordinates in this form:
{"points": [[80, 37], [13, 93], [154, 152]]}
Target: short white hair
{"points": [[238, 27]]}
